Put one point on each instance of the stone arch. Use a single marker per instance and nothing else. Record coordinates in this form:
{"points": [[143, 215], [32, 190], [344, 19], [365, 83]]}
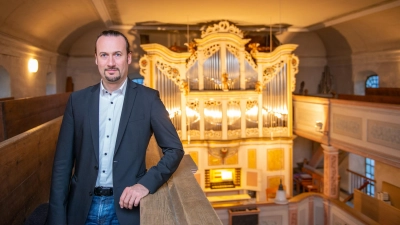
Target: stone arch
{"points": [[51, 87], [5, 84]]}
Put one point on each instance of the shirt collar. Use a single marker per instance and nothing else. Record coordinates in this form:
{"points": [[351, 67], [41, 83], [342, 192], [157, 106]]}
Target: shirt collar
{"points": [[120, 90]]}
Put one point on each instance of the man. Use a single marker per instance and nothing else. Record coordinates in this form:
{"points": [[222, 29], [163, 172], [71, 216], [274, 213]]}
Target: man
{"points": [[99, 172]]}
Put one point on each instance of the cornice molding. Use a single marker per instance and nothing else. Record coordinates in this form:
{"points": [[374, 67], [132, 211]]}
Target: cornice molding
{"points": [[355, 15], [16, 48]]}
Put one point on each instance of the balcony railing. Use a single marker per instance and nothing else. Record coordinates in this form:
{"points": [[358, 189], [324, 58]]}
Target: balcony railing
{"points": [[364, 128]]}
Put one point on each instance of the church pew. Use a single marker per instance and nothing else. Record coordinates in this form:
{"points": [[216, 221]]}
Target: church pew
{"points": [[20, 115]]}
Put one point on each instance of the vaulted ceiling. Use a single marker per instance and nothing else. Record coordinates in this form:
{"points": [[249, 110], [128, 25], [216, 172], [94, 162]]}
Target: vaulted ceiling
{"points": [[367, 25]]}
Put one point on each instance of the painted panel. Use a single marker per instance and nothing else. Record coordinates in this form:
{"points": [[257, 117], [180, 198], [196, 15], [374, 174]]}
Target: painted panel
{"points": [[252, 159], [275, 159], [347, 125], [383, 133]]}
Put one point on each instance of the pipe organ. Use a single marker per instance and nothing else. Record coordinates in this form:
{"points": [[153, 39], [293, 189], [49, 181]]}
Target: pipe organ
{"points": [[226, 102]]}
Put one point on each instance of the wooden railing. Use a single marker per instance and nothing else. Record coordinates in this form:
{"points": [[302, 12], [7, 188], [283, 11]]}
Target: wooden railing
{"points": [[306, 208], [358, 182], [26, 161], [180, 200], [20, 115]]}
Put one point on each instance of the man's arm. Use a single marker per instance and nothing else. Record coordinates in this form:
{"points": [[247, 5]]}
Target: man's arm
{"points": [[62, 169], [171, 146]]}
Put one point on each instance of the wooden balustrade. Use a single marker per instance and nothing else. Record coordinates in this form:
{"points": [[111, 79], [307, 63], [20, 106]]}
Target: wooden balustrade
{"points": [[371, 98], [26, 161], [20, 115], [358, 182], [180, 200]]}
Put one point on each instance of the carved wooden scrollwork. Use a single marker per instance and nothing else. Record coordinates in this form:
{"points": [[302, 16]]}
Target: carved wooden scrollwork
{"points": [[211, 50], [144, 64], [173, 74], [222, 26], [270, 72]]}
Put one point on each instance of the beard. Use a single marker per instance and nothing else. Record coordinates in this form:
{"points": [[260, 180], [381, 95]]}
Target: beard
{"points": [[113, 78]]}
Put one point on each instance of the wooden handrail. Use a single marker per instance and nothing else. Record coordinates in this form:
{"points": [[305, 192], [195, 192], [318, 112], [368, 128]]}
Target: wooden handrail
{"points": [[350, 197], [20, 115], [359, 182], [362, 176], [180, 200], [26, 161]]}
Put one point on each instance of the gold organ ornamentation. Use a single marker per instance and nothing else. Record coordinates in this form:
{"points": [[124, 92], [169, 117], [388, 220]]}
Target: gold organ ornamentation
{"points": [[217, 68]]}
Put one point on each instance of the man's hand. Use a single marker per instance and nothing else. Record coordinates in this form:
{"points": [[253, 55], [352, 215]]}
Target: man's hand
{"points": [[131, 196]]}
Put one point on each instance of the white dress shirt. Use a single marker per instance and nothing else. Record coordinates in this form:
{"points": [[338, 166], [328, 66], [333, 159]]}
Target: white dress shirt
{"points": [[110, 108]]}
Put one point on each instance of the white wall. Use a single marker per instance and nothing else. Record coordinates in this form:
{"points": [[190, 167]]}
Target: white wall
{"points": [[14, 57]]}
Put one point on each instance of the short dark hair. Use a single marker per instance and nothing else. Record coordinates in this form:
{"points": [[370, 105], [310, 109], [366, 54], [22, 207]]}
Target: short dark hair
{"points": [[112, 33]]}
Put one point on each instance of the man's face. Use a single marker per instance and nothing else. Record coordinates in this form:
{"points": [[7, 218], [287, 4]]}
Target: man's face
{"points": [[112, 60]]}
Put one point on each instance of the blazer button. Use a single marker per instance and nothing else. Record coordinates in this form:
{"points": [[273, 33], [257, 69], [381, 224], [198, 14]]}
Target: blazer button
{"points": [[90, 193], [96, 167]]}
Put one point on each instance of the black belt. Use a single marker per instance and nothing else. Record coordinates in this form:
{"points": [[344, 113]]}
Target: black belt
{"points": [[103, 191]]}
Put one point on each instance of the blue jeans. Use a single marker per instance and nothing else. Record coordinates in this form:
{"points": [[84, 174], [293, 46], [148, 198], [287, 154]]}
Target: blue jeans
{"points": [[102, 211]]}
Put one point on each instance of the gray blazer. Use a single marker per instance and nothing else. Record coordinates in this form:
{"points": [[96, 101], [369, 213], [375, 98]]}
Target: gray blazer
{"points": [[143, 114]]}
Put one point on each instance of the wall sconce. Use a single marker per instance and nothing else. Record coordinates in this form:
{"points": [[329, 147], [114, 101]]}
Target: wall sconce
{"points": [[318, 126], [33, 65]]}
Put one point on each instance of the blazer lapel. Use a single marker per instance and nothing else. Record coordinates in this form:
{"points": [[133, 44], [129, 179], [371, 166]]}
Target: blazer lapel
{"points": [[129, 99], [94, 118]]}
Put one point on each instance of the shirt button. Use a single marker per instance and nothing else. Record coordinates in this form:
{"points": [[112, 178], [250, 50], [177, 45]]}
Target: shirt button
{"points": [[109, 119], [108, 136], [105, 153], [104, 171], [112, 103]]}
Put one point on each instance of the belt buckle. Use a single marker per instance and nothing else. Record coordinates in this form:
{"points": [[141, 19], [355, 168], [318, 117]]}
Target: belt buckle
{"points": [[103, 191]]}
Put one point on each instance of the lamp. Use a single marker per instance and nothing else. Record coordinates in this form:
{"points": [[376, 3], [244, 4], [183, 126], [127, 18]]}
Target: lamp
{"points": [[280, 197], [33, 65]]}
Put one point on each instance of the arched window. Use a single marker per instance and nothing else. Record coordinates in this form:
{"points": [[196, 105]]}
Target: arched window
{"points": [[5, 85], [372, 81]]}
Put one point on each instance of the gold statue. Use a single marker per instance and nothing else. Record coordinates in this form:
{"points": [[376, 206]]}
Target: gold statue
{"points": [[254, 47], [184, 87], [258, 87], [191, 47], [225, 85]]}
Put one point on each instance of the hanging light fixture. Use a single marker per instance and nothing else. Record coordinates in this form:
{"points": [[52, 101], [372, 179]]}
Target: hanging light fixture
{"points": [[280, 197]]}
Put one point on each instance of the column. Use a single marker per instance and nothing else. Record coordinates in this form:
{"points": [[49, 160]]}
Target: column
{"points": [[331, 171], [293, 213]]}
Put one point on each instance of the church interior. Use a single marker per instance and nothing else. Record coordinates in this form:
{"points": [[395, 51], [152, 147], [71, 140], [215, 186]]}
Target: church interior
{"points": [[288, 110]]}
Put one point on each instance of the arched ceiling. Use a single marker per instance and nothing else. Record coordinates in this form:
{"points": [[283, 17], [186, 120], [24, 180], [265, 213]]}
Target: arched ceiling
{"points": [[55, 25]]}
